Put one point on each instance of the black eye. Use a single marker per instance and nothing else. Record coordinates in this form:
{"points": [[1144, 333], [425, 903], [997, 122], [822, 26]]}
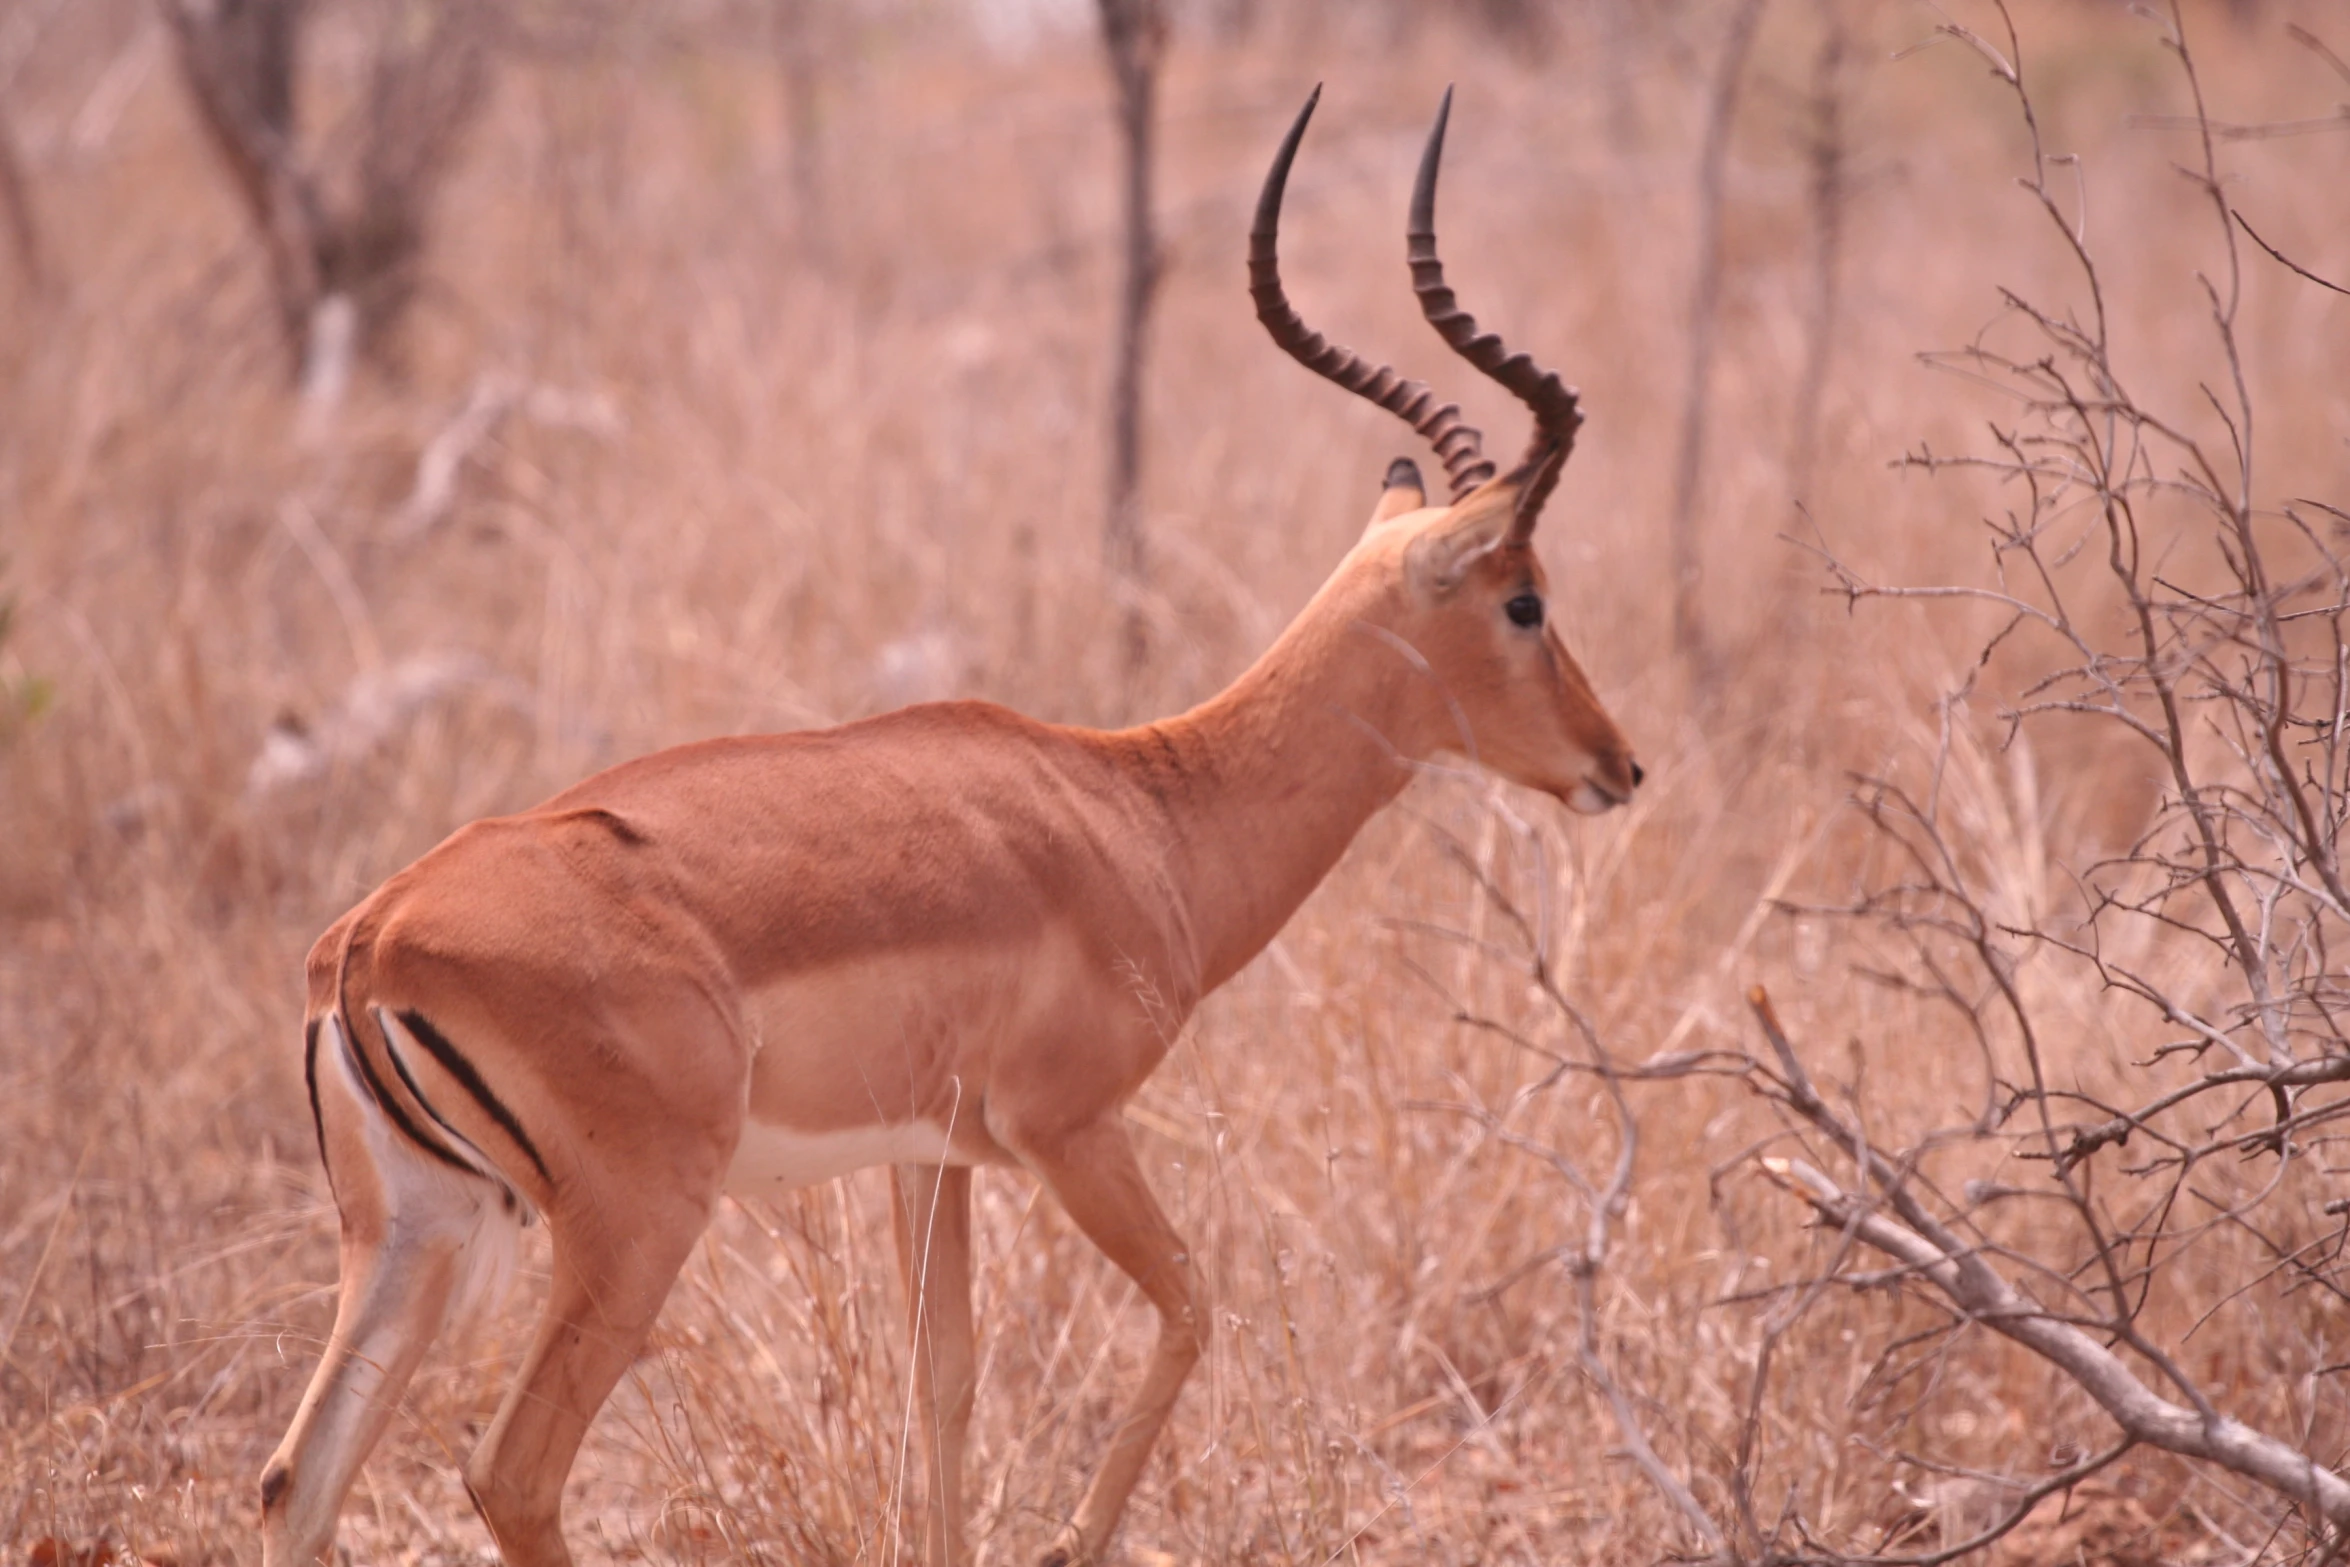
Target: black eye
{"points": [[1524, 610]]}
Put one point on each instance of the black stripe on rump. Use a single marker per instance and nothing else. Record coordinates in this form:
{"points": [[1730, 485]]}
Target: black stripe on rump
{"points": [[462, 1070], [398, 1111], [310, 1082], [400, 1065]]}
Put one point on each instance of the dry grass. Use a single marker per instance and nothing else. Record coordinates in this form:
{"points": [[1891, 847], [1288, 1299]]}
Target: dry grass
{"points": [[753, 491]]}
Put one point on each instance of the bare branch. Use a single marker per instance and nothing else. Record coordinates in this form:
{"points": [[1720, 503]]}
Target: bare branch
{"points": [[2144, 1417], [2284, 260]]}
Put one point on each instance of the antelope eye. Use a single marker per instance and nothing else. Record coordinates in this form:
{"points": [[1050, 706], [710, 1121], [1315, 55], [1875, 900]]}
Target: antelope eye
{"points": [[1524, 610]]}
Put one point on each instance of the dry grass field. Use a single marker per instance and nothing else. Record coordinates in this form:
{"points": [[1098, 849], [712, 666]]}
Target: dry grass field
{"points": [[761, 462]]}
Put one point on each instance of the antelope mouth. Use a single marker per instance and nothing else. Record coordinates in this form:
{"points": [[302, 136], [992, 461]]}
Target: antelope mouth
{"points": [[1593, 798]]}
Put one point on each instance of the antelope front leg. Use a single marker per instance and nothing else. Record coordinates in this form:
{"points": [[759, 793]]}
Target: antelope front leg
{"points": [[932, 1218], [1094, 1174]]}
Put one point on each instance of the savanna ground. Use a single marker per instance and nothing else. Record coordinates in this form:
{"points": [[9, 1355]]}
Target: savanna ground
{"points": [[784, 451]]}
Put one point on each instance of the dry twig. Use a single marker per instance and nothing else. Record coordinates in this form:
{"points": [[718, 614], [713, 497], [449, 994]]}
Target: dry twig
{"points": [[2216, 928]]}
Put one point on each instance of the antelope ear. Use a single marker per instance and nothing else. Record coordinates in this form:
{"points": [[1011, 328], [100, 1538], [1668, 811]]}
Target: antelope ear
{"points": [[1477, 525], [1404, 492]]}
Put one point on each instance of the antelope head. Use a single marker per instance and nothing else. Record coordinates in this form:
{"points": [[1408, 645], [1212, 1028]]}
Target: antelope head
{"points": [[1457, 586]]}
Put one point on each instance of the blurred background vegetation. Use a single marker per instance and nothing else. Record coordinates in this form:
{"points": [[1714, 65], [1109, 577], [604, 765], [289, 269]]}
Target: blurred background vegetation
{"points": [[716, 366]]}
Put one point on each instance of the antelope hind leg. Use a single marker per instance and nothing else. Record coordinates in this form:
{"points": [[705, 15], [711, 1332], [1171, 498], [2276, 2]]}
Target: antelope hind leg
{"points": [[411, 1229]]}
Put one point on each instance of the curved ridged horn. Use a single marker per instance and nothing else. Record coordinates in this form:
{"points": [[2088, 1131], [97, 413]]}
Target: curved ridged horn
{"points": [[1458, 443], [1557, 412]]}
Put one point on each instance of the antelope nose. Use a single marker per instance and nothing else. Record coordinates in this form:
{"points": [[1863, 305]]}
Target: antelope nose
{"points": [[1639, 774]]}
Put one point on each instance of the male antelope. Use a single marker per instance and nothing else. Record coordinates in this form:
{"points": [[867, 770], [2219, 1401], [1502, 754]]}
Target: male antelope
{"points": [[945, 937]]}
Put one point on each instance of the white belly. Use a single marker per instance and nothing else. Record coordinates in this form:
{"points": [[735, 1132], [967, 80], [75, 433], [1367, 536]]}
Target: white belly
{"points": [[772, 1159]]}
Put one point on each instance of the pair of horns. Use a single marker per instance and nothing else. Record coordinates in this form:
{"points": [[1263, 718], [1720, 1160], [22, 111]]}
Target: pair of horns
{"points": [[1459, 444]]}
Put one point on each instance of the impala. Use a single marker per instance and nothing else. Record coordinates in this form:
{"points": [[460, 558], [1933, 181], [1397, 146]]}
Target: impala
{"points": [[945, 937]]}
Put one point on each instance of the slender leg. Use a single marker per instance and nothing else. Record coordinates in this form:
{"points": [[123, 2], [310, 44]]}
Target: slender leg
{"points": [[608, 1287], [932, 1217], [393, 1299], [1094, 1174], [407, 1229]]}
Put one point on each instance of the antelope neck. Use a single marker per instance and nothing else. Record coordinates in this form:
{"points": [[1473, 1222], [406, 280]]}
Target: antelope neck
{"points": [[1281, 769]]}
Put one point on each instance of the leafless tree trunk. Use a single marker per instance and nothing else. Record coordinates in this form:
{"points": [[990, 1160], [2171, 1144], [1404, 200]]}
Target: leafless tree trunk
{"points": [[1135, 32], [341, 278], [1523, 25], [1830, 182], [1689, 635], [16, 206], [238, 57], [798, 46], [1618, 27]]}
